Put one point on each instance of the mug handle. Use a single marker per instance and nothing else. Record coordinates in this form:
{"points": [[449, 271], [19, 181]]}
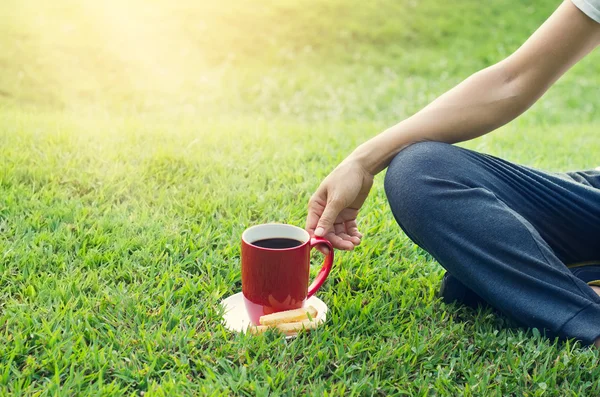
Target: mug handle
{"points": [[325, 269]]}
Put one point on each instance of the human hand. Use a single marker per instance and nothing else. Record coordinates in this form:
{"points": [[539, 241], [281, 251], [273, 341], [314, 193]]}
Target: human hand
{"points": [[332, 210]]}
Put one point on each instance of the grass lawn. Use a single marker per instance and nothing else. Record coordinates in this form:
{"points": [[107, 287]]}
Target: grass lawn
{"points": [[139, 139]]}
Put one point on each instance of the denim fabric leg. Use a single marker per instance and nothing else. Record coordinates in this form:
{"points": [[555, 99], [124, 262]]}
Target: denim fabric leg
{"points": [[505, 231]]}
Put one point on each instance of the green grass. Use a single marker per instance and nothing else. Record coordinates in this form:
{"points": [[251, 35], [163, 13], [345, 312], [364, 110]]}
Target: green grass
{"points": [[138, 141]]}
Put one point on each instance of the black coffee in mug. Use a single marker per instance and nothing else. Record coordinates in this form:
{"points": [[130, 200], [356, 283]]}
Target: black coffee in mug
{"points": [[277, 243]]}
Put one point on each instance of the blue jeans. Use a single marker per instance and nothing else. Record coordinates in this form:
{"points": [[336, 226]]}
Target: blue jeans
{"points": [[505, 231]]}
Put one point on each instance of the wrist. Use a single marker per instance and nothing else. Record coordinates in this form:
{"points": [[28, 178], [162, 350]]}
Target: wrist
{"points": [[376, 154], [365, 157]]}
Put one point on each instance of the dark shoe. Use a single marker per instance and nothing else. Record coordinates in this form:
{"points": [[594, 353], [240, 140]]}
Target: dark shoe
{"points": [[587, 271], [453, 291]]}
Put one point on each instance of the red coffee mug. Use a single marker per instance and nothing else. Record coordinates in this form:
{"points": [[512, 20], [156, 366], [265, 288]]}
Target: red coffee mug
{"points": [[275, 269]]}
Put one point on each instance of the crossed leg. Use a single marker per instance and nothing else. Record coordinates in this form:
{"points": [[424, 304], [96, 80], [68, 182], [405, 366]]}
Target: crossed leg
{"points": [[505, 231]]}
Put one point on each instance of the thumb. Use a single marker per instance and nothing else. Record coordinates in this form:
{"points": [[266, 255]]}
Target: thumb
{"points": [[330, 213]]}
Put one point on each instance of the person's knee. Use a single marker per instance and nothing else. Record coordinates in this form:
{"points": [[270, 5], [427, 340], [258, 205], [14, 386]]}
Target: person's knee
{"points": [[408, 174]]}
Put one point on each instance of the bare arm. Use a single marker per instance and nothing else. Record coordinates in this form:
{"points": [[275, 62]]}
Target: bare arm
{"points": [[496, 95], [483, 102]]}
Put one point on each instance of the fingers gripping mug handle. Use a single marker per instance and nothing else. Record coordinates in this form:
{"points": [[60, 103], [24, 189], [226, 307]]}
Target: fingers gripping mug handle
{"points": [[325, 269]]}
